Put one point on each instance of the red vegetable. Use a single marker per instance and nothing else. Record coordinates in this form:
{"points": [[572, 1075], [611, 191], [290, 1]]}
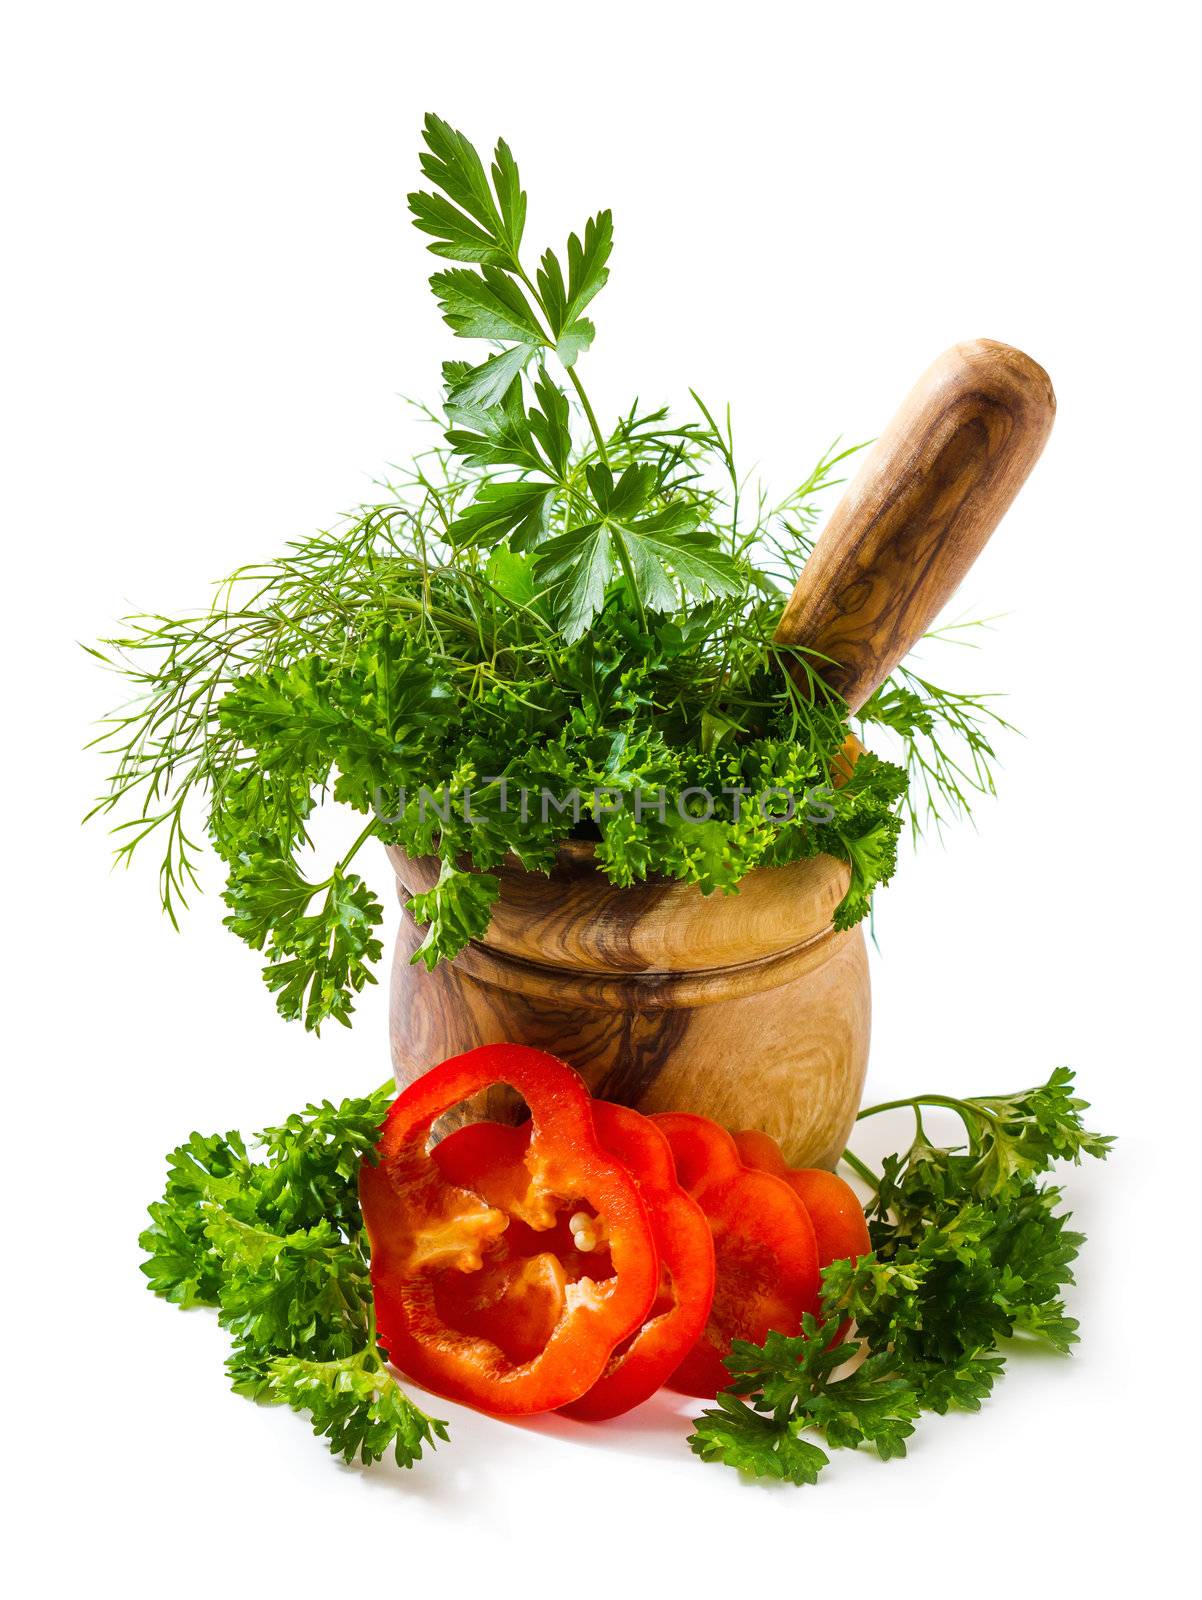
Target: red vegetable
{"points": [[476, 1296], [764, 1245], [488, 1159], [686, 1260], [837, 1215]]}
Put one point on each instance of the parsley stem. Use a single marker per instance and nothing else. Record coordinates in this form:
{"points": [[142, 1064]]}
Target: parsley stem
{"points": [[590, 414], [361, 840], [862, 1169], [571, 371], [912, 1102], [628, 573]]}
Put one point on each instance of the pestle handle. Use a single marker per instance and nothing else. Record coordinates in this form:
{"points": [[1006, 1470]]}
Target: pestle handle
{"points": [[917, 514]]}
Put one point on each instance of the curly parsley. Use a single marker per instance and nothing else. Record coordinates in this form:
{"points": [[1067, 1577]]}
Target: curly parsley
{"points": [[278, 1247], [969, 1251]]}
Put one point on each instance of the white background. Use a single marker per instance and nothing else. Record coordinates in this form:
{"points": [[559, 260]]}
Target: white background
{"points": [[214, 301]]}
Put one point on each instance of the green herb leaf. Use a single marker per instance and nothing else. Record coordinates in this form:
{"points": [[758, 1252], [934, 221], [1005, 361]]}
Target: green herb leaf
{"points": [[181, 1263], [575, 568], [793, 1379], [357, 1405], [738, 1437], [277, 1245], [501, 510], [668, 544], [864, 832], [468, 224], [457, 909], [587, 276], [487, 305], [486, 384], [318, 962]]}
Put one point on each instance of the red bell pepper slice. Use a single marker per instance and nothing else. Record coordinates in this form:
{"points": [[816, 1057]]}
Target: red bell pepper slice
{"points": [[687, 1269], [485, 1157], [443, 1258], [837, 1215], [764, 1245]]}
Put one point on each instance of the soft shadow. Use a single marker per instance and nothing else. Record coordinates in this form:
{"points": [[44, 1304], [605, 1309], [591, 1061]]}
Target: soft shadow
{"points": [[1028, 1350], [657, 1429], [444, 1477]]}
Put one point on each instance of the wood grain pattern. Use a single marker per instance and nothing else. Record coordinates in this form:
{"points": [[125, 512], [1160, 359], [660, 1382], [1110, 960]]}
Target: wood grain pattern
{"points": [[918, 513], [748, 1008]]}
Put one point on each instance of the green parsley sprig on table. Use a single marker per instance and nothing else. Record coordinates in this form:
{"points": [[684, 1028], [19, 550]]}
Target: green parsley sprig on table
{"points": [[541, 602], [278, 1247], [969, 1251]]}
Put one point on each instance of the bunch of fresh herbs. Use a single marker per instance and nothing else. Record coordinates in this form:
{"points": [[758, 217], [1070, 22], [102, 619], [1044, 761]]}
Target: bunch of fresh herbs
{"points": [[278, 1247], [970, 1250], [541, 604]]}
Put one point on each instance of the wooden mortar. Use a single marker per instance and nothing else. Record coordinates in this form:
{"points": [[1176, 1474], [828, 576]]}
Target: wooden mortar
{"points": [[748, 1008]]}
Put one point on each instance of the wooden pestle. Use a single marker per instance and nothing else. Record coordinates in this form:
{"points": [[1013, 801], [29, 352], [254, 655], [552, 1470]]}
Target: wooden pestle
{"points": [[917, 514]]}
